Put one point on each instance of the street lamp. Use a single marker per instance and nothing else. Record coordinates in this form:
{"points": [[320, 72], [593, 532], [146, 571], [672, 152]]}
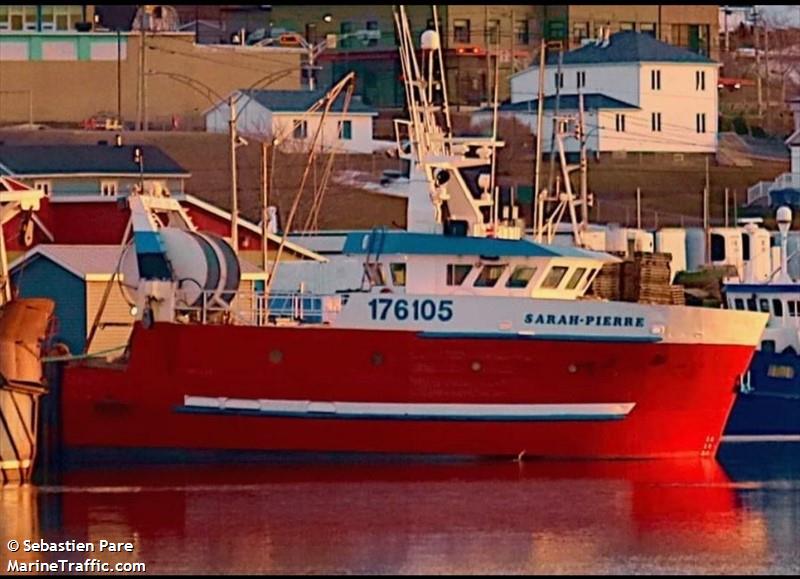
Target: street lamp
{"points": [[234, 139]]}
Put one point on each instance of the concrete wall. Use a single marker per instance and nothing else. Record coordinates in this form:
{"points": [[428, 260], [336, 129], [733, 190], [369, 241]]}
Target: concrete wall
{"points": [[69, 91]]}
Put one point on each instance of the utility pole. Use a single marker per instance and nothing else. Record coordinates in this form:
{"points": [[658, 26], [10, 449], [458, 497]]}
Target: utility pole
{"points": [[140, 79], [144, 80], [234, 183], [119, 78], [706, 228], [539, 122], [264, 204], [638, 208]]}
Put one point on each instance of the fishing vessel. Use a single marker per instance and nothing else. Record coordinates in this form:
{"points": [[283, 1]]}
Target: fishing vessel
{"points": [[462, 339], [768, 403]]}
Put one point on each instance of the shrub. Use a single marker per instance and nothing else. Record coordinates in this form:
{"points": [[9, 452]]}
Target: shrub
{"points": [[740, 125]]}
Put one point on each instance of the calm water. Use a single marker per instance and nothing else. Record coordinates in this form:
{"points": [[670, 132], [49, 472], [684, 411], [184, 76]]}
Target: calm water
{"points": [[742, 516]]}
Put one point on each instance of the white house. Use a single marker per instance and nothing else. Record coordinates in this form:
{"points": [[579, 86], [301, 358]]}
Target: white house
{"points": [[601, 115], [283, 114], [672, 92]]}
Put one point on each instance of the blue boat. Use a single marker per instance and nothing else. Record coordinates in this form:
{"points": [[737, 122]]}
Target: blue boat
{"points": [[769, 399]]}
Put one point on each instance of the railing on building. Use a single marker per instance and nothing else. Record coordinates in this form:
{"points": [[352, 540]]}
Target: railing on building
{"points": [[762, 188]]}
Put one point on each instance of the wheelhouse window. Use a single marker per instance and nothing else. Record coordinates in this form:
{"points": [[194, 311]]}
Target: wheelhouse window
{"points": [[777, 307], [780, 371], [457, 273], [738, 304], [751, 304], [398, 271], [576, 278], [374, 272], [554, 277], [588, 279], [792, 309], [763, 305], [521, 276], [489, 276]]}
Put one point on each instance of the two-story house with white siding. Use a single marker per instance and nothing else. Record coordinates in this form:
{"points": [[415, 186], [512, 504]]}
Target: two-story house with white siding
{"points": [[664, 97]]}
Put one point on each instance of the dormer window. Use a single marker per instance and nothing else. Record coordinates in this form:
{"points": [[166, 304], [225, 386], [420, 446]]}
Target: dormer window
{"points": [[520, 277], [489, 276]]}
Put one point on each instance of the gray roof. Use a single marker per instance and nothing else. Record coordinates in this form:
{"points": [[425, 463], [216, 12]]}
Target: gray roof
{"points": [[569, 102], [298, 101], [629, 46], [25, 160]]}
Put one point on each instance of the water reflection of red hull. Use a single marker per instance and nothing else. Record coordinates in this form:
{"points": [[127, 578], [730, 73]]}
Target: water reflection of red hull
{"points": [[145, 404], [409, 517]]}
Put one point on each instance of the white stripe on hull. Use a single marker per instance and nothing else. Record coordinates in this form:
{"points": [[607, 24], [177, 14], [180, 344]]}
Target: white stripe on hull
{"points": [[308, 408]]}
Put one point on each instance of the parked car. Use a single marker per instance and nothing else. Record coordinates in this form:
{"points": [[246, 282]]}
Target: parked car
{"points": [[103, 121]]}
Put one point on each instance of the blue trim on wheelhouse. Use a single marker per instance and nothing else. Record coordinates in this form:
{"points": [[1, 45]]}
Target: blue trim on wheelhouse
{"points": [[751, 288], [399, 242]]}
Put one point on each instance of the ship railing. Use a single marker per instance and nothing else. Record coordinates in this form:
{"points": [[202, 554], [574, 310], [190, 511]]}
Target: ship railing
{"points": [[254, 308]]}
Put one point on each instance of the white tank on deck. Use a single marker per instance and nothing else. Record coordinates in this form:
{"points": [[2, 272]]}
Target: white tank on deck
{"points": [[695, 248], [759, 265], [672, 240]]}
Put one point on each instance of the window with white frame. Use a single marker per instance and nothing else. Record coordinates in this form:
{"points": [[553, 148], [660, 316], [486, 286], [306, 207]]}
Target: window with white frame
{"points": [[655, 122], [581, 78], [346, 130], [559, 79], [655, 79], [700, 80], [43, 186], [700, 122], [300, 130], [620, 123], [108, 188]]}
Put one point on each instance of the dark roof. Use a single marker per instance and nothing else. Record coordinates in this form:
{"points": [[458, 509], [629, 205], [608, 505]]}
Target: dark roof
{"points": [[629, 46], [298, 101], [569, 102], [394, 242], [92, 159]]}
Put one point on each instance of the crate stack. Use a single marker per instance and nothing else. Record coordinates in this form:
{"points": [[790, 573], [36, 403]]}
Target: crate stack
{"points": [[606, 284], [646, 277]]}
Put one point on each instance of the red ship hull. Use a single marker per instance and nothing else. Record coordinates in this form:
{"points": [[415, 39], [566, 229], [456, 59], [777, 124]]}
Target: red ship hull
{"points": [[680, 394]]}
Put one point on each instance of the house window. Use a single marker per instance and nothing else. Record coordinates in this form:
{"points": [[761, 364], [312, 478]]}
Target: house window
{"points": [[580, 31], [559, 79], [398, 271], [520, 277], [457, 273], [655, 79], [623, 26], [108, 188], [492, 32], [461, 30], [300, 130], [580, 78], [43, 186], [648, 28], [700, 80], [555, 29], [554, 277], [521, 33], [489, 276], [700, 122], [346, 130], [655, 121], [620, 123], [373, 33]]}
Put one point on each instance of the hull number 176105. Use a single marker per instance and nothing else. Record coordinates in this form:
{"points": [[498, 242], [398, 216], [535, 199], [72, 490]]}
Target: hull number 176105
{"points": [[411, 310]]}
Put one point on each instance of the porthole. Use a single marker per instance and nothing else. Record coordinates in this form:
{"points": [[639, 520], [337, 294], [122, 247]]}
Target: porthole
{"points": [[377, 359], [276, 356], [476, 366]]}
